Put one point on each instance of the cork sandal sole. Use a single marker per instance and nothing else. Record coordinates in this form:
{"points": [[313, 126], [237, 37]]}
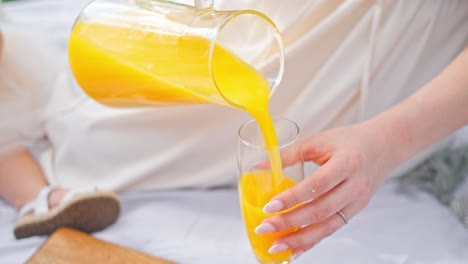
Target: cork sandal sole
{"points": [[86, 212]]}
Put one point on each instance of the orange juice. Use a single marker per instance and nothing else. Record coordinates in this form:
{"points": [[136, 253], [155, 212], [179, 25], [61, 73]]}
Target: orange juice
{"points": [[130, 67], [127, 67], [255, 191]]}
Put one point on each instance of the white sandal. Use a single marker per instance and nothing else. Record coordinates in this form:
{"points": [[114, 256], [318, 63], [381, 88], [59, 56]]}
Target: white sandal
{"points": [[84, 210]]}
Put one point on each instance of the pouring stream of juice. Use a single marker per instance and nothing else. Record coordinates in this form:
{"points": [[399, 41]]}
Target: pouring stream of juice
{"points": [[145, 70]]}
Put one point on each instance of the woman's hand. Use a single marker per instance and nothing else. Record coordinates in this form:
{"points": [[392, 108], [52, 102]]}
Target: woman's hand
{"points": [[354, 160], [353, 164], [1, 43]]}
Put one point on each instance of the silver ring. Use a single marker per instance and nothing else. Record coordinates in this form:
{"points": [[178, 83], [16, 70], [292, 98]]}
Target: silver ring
{"points": [[343, 216]]}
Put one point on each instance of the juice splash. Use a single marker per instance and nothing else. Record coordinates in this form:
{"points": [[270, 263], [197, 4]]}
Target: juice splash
{"points": [[129, 67]]}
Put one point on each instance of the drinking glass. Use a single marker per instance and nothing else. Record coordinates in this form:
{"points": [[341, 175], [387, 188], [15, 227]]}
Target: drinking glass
{"points": [[258, 182]]}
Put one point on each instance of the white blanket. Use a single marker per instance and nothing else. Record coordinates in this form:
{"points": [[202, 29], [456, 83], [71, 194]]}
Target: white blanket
{"points": [[206, 227]]}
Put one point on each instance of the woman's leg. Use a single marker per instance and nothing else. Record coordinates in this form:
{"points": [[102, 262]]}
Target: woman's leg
{"points": [[21, 179]]}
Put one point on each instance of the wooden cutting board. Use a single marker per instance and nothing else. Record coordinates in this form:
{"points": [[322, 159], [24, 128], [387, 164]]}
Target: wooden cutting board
{"points": [[67, 246]]}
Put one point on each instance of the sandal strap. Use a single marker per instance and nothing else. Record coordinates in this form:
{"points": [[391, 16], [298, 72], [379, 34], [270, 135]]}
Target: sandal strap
{"points": [[40, 205], [27, 208]]}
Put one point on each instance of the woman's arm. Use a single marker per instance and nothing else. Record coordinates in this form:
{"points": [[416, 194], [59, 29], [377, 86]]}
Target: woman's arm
{"points": [[430, 114], [355, 160]]}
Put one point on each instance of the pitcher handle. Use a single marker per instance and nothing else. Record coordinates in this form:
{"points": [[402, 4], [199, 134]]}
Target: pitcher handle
{"points": [[203, 4]]}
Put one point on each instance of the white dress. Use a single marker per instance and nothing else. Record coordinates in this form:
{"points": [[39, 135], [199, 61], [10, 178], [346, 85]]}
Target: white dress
{"points": [[345, 62], [27, 73]]}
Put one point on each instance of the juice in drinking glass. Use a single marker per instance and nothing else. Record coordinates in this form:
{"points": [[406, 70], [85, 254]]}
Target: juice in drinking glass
{"points": [[257, 184]]}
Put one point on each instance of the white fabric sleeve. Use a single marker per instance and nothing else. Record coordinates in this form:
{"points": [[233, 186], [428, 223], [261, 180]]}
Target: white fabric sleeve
{"points": [[27, 72]]}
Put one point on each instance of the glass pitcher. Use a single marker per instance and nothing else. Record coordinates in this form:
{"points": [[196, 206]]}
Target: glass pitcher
{"points": [[129, 53]]}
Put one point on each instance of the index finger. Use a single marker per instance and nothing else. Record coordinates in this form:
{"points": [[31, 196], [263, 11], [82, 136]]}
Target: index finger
{"points": [[321, 181]]}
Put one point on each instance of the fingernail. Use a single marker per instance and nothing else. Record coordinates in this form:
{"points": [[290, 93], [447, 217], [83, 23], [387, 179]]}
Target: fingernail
{"points": [[297, 255], [278, 248], [265, 228], [273, 206]]}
